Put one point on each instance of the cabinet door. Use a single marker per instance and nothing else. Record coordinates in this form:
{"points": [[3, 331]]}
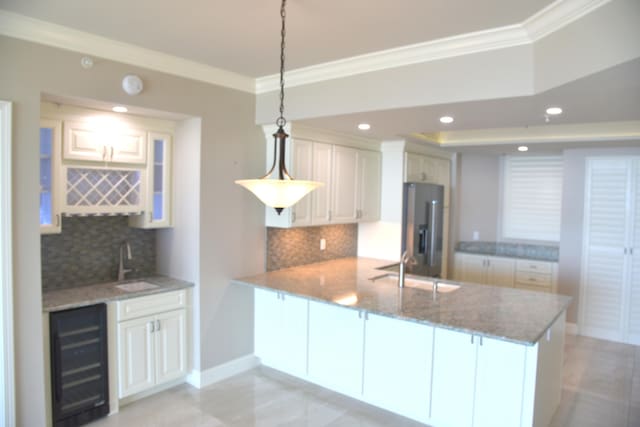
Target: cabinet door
{"points": [[344, 184], [158, 196], [499, 383], [293, 335], [84, 142], [280, 331], [321, 197], [135, 356], [335, 348], [129, 146], [368, 191], [473, 268], [452, 392], [397, 366], [302, 168], [50, 136], [500, 272], [632, 307], [171, 345], [413, 168]]}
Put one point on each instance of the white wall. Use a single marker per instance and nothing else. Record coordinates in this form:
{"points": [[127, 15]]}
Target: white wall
{"points": [[231, 222]]}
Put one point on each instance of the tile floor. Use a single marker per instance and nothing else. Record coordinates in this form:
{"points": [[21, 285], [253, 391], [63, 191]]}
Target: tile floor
{"points": [[601, 388]]}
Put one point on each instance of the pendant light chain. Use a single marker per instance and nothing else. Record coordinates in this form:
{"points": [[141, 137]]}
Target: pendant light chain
{"points": [[281, 120]]}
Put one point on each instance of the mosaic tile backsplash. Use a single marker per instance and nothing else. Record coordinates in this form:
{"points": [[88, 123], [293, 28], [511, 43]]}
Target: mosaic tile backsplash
{"points": [[87, 251], [290, 247]]}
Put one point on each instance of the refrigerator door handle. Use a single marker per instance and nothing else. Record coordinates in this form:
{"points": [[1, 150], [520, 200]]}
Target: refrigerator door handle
{"points": [[432, 233]]}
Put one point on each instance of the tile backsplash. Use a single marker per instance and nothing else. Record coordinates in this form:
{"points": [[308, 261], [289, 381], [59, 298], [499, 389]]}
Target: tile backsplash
{"points": [[87, 251], [290, 247]]}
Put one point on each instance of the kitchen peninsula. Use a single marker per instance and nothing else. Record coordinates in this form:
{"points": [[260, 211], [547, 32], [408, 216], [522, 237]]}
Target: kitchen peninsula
{"points": [[479, 355]]}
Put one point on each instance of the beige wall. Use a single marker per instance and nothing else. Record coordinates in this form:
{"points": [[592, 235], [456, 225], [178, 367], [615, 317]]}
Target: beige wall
{"points": [[478, 196], [231, 225]]}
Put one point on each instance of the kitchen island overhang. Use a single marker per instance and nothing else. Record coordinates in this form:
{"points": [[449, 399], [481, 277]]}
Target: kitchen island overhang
{"points": [[460, 359]]}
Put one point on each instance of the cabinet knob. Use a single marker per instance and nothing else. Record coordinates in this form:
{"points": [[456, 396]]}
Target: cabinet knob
{"points": [[293, 216], [153, 326]]}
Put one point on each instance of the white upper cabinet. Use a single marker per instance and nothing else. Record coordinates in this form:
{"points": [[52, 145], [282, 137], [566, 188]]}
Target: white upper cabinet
{"points": [[158, 195], [368, 191], [343, 206], [322, 172], [50, 185], [86, 141]]}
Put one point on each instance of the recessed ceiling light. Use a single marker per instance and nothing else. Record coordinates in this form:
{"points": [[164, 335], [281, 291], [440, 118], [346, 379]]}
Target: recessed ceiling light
{"points": [[554, 111], [446, 119], [523, 148], [120, 109], [364, 126]]}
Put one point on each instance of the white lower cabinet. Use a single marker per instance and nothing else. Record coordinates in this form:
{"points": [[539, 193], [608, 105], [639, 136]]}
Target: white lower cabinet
{"points": [[434, 375], [281, 331], [397, 366], [336, 345], [487, 270], [152, 348]]}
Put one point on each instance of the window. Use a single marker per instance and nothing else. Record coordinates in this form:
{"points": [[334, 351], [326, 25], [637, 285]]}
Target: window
{"points": [[531, 197]]}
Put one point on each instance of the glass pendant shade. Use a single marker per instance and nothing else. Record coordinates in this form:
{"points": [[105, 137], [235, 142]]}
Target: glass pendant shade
{"points": [[279, 191]]}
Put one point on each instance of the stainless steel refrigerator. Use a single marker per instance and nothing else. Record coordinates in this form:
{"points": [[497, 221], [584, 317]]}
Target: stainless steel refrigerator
{"points": [[422, 219]]}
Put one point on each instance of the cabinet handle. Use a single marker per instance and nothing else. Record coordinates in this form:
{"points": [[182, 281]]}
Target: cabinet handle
{"points": [[158, 325], [111, 156], [104, 152], [471, 339], [293, 217], [625, 251], [329, 216], [423, 176], [481, 340], [151, 216], [57, 220], [153, 327]]}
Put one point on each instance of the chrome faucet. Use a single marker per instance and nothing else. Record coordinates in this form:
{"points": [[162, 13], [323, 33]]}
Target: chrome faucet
{"points": [[405, 259], [121, 270]]}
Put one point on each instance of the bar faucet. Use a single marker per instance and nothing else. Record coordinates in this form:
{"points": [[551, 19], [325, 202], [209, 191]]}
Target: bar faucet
{"points": [[121, 270], [405, 259]]}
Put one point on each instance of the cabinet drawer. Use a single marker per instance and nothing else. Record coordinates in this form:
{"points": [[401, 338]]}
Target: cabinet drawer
{"points": [[533, 287], [152, 304], [533, 279], [533, 266]]}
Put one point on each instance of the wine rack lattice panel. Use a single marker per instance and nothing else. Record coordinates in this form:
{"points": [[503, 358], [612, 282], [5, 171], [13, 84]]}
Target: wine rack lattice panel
{"points": [[103, 189]]}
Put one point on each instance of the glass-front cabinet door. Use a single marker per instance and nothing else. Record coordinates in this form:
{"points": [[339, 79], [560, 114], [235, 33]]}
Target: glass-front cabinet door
{"points": [[50, 136], [157, 213]]}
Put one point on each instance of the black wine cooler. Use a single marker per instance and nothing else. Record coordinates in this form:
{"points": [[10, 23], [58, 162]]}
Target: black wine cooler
{"points": [[79, 372]]}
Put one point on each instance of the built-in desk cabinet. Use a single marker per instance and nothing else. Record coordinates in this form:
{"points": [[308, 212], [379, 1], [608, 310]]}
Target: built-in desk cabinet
{"points": [[526, 274]]}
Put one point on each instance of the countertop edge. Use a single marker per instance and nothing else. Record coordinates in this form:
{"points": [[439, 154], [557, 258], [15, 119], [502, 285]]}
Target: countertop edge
{"points": [[493, 254], [413, 319], [165, 284]]}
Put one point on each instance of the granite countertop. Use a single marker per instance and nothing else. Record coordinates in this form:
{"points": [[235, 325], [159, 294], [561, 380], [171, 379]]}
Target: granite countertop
{"points": [[508, 314], [81, 296], [510, 250]]}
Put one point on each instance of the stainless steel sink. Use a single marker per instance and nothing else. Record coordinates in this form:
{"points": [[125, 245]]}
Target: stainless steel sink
{"points": [[136, 286], [415, 282]]}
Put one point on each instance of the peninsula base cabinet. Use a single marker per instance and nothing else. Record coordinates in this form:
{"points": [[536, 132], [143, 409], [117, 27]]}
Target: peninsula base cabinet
{"points": [[433, 375], [151, 341]]}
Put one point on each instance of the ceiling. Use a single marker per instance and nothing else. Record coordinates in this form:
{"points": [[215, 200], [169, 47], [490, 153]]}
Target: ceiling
{"points": [[242, 36]]}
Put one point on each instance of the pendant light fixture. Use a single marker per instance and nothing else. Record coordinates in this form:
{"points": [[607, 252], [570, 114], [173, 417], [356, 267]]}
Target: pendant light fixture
{"points": [[279, 191]]}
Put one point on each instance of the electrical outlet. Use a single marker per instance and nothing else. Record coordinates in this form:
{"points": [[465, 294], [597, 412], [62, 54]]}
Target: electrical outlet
{"points": [[476, 235], [323, 244]]}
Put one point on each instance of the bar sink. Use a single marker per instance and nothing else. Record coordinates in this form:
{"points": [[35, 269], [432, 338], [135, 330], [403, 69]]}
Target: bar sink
{"points": [[414, 282], [136, 286]]}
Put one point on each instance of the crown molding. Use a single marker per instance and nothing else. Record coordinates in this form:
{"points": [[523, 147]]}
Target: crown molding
{"points": [[558, 15], [42, 32], [464, 44], [550, 19], [590, 132]]}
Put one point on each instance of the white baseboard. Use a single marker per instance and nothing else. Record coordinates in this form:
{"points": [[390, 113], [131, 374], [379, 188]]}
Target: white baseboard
{"points": [[200, 379], [571, 328]]}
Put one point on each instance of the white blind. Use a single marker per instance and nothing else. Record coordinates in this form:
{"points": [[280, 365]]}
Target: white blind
{"points": [[531, 197]]}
